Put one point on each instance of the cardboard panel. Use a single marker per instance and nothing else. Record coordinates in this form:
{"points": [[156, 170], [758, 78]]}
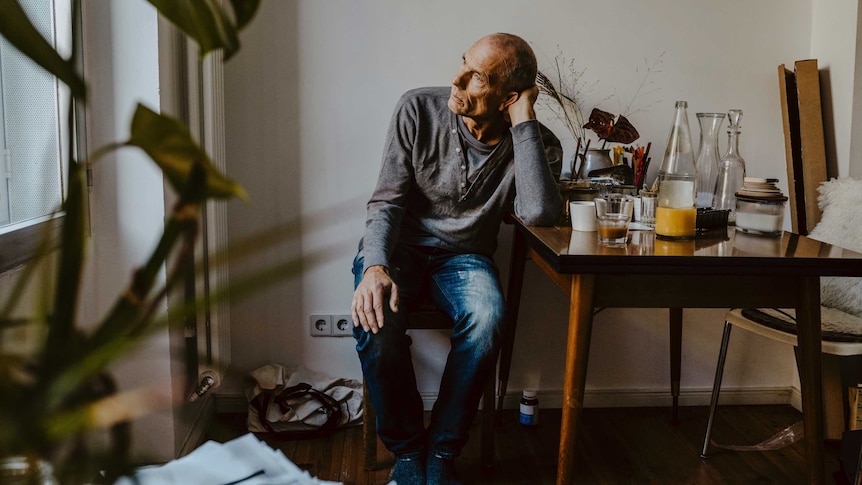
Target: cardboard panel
{"points": [[792, 152], [804, 144], [811, 137]]}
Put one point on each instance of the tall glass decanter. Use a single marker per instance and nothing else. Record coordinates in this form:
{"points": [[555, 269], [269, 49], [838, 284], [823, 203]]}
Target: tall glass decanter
{"points": [[707, 157], [676, 215], [731, 168]]}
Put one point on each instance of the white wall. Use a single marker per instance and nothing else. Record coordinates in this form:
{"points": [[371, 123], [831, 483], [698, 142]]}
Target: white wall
{"points": [[127, 207], [856, 105], [833, 44], [262, 147], [309, 100]]}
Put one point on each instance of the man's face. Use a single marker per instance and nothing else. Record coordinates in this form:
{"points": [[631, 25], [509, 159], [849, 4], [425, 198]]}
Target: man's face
{"points": [[477, 89]]}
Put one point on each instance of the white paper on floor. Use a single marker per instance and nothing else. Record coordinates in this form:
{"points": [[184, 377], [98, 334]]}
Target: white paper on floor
{"points": [[244, 461]]}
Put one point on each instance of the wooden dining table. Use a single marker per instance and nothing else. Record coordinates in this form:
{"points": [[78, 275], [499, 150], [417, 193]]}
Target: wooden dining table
{"points": [[722, 269]]}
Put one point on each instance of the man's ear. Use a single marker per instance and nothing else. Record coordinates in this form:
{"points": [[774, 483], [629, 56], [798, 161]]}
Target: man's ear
{"points": [[509, 100]]}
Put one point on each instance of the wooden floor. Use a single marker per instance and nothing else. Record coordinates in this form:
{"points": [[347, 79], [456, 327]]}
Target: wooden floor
{"points": [[619, 445]]}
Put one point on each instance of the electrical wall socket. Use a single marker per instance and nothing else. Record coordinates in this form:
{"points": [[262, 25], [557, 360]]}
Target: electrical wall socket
{"points": [[342, 325], [321, 325]]}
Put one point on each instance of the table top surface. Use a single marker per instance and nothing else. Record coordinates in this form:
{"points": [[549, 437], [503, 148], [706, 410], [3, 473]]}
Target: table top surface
{"points": [[724, 252]]}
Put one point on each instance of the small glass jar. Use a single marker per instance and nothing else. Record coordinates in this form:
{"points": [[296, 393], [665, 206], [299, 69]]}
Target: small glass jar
{"points": [[19, 470], [760, 216], [529, 408]]}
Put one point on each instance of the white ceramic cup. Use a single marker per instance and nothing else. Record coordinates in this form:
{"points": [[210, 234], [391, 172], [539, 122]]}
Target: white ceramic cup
{"points": [[583, 214]]}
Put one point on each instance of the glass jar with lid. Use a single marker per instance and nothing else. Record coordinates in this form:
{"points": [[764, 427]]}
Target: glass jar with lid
{"points": [[760, 216], [760, 207]]}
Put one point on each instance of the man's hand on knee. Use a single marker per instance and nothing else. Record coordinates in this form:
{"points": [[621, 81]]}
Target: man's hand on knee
{"points": [[369, 298]]}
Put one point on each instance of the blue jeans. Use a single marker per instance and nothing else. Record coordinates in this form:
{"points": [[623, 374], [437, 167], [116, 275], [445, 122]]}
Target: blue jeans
{"points": [[467, 288]]}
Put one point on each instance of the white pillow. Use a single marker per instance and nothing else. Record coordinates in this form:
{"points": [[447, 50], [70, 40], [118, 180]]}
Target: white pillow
{"points": [[841, 225]]}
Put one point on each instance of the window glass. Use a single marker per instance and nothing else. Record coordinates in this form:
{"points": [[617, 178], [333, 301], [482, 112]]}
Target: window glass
{"points": [[33, 134]]}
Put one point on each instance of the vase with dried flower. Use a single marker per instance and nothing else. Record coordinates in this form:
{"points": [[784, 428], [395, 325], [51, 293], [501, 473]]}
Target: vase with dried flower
{"points": [[566, 103]]}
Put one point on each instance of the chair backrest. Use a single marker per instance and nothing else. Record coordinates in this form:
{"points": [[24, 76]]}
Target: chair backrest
{"points": [[804, 143]]}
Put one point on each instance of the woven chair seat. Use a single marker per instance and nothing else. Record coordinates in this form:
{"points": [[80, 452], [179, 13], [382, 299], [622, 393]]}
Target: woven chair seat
{"points": [[836, 326]]}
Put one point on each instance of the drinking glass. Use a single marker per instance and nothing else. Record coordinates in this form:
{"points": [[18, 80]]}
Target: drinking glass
{"points": [[613, 213], [648, 203]]}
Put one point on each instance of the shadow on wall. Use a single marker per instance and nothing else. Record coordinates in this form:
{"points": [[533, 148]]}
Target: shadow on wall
{"points": [[828, 123], [264, 157]]}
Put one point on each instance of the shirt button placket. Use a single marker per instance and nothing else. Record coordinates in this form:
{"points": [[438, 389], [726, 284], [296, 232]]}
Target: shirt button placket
{"points": [[463, 173]]}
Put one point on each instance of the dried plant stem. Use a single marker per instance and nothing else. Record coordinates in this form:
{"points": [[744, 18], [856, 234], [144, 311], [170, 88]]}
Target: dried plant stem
{"points": [[650, 68]]}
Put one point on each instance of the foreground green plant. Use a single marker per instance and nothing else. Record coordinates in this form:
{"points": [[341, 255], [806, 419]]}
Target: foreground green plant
{"points": [[51, 396]]}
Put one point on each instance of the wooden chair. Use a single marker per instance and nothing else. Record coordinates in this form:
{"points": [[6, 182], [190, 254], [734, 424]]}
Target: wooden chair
{"points": [[428, 317]]}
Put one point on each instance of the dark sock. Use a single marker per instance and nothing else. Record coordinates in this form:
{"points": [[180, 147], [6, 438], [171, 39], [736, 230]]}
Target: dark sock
{"points": [[409, 468], [441, 471]]}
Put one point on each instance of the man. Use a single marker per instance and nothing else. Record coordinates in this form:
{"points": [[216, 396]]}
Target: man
{"points": [[456, 160]]}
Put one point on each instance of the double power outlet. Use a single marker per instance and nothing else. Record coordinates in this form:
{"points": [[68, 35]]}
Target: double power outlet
{"points": [[331, 325]]}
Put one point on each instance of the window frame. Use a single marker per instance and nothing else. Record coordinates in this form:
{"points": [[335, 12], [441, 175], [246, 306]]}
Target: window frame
{"points": [[19, 246]]}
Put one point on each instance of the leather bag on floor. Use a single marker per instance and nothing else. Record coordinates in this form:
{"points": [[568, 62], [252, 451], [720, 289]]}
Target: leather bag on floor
{"points": [[300, 403]]}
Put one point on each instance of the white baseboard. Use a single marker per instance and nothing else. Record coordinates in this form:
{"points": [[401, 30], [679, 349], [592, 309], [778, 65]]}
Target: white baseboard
{"points": [[611, 398], [615, 398]]}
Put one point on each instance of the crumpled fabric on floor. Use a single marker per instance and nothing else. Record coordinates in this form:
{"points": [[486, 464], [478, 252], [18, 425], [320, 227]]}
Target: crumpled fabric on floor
{"points": [[302, 412]]}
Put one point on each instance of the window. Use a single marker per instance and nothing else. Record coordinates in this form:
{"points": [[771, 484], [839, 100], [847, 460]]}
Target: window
{"points": [[34, 141]]}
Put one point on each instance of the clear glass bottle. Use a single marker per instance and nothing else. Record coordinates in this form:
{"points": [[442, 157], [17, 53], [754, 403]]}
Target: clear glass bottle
{"points": [[676, 214], [707, 157], [731, 168]]}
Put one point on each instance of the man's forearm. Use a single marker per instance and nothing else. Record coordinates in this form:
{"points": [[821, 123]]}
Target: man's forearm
{"points": [[537, 199]]}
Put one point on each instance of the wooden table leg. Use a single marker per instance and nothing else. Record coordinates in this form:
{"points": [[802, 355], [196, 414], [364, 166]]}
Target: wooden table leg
{"points": [[675, 360], [578, 345], [810, 374]]}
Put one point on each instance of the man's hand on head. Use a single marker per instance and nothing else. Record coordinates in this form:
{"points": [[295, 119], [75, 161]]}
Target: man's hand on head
{"points": [[522, 109], [370, 296]]}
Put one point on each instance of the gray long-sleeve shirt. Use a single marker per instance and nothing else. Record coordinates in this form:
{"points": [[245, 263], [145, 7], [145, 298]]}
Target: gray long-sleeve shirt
{"points": [[423, 195]]}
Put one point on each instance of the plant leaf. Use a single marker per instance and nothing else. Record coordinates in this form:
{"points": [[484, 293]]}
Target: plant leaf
{"points": [[244, 11], [168, 142], [623, 132], [68, 274], [128, 322], [207, 23], [600, 122], [20, 32]]}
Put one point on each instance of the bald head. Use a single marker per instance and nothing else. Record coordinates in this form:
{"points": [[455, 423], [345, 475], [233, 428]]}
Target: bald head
{"points": [[518, 69]]}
